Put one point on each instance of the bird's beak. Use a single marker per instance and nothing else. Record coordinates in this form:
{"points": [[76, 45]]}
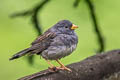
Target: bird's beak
{"points": [[74, 27]]}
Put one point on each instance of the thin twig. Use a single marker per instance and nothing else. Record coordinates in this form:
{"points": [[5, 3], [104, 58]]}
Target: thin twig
{"points": [[76, 3], [33, 13], [96, 27], [35, 19]]}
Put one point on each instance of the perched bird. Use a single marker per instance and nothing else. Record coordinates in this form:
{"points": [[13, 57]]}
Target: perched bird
{"points": [[57, 42]]}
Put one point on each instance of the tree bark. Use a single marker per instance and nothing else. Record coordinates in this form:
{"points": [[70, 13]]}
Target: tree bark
{"points": [[105, 66]]}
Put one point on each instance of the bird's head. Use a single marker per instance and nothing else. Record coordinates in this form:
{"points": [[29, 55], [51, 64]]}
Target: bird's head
{"points": [[65, 27]]}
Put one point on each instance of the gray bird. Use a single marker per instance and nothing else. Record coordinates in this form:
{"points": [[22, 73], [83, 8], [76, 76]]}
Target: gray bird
{"points": [[57, 42]]}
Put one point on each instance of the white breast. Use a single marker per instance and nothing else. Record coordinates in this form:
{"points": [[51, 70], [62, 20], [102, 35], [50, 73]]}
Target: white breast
{"points": [[69, 50]]}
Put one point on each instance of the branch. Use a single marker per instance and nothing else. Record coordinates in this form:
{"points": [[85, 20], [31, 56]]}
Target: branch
{"points": [[96, 27], [34, 19], [34, 13], [99, 67], [35, 16], [76, 3]]}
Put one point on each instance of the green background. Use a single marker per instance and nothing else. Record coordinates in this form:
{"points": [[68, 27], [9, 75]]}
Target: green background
{"points": [[17, 34]]}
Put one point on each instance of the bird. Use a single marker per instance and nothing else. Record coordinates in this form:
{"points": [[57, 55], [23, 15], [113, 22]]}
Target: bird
{"points": [[57, 42]]}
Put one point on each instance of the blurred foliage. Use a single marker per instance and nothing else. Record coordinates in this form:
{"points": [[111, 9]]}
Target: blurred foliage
{"points": [[17, 34]]}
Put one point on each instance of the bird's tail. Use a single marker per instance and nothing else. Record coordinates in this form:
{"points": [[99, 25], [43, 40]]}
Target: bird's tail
{"points": [[20, 54]]}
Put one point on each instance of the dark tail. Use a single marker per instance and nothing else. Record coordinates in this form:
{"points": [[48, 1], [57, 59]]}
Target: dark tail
{"points": [[20, 54]]}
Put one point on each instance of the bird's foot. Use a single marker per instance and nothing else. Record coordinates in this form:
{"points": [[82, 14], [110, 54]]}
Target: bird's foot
{"points": [[63, 68], [53, 69]]}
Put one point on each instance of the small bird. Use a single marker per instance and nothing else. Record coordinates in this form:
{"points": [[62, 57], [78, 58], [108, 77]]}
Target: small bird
{"points": [[57, 42]]}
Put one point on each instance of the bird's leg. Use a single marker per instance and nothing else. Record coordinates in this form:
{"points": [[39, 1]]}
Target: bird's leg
{"points": [[52, 67], [62, 66]]}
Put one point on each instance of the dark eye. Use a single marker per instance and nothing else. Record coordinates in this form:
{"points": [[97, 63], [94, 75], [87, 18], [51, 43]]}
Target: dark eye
{"points": [[66, 27]]}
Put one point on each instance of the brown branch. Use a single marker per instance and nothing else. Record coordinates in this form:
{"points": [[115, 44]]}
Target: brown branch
{"points": [[96, 27], [34, 19], [98, 67]]}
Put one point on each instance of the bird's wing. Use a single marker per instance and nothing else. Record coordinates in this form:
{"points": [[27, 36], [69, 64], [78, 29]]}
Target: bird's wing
{"points": [[46, 35], [42, 42]]}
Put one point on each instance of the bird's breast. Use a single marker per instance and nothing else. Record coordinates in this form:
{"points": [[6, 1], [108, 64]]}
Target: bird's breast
{"points": [[70, 49], [70, 43], [62, 45]]}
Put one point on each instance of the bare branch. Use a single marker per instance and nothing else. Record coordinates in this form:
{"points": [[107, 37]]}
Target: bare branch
{"points": [[19, 14], [99, 67], [35, 20], [76, 3], [96, 27], [33, 13]]}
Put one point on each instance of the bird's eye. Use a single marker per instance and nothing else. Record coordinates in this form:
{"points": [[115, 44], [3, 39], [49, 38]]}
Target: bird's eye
{"points": [[66, 27]]}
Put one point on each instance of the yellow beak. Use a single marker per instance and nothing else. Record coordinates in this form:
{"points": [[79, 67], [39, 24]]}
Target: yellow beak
{"points": [[74, 27]]}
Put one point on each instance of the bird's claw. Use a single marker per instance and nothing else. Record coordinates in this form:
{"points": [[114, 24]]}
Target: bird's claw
{"points": [[63, 68], [53, 69]]}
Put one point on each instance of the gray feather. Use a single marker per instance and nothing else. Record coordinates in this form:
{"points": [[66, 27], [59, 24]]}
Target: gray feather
{"points": [[62, 45]]}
